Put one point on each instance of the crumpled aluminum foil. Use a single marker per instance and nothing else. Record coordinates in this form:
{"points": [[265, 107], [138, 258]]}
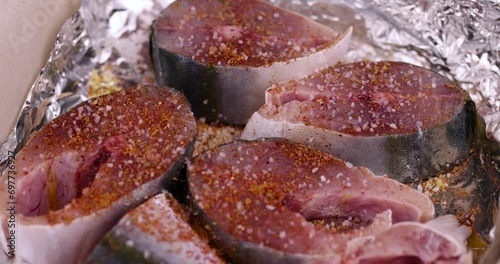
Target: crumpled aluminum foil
{"points": [[458, 38]]}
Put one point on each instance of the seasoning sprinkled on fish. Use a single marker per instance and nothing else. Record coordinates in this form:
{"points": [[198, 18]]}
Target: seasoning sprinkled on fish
{"points": [[273, 201], [391, 117], [155, 232], [82, 171], [224, 54]]}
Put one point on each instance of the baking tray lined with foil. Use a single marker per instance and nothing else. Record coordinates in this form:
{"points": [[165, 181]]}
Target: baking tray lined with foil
{"points": [[106, 44]]}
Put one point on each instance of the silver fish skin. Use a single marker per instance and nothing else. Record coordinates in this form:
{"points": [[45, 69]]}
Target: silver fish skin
{"points": [[223, 54], [392, 117], [288, 187], [81, 172]]}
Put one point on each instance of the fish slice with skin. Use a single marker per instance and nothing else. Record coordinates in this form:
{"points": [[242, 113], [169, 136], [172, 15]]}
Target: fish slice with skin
{"points": [[85, 169], [156, 232], [391, 117], [224, 54], [288, 187]]}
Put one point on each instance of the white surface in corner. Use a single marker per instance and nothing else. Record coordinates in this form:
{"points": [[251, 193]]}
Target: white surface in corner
{"points": [[28, 29]]}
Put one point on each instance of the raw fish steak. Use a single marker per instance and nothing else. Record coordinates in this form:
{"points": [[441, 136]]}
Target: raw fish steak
{"points": [[155, 232], [80, 173], [274, 201], [394, 118], [223, 54]]}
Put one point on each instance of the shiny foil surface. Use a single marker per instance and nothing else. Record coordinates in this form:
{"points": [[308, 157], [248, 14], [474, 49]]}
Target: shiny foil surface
{"points": [[457, 38]]}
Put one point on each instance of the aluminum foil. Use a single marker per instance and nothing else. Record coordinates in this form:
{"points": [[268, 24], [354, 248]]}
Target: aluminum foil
{"points": [[458, 38]]}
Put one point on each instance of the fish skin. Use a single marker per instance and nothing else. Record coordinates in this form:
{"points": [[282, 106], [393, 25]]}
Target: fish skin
{"points": [[471, 190], [155, 232], [404, 153], [492, 253], [131, 129], [231, 93], [214, 182]]}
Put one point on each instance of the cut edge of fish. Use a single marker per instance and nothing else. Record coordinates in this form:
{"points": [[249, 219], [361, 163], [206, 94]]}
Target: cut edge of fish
{"points": [[87, 230], [96, 224], [211, 89]]}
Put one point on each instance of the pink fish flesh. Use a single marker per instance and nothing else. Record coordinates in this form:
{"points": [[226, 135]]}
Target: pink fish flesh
{"points": [[82, 171], [394, 118], [224, 54], [262, 200]]}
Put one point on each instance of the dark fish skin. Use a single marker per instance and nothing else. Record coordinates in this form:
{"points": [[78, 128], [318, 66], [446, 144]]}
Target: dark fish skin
{"points": [[226, 196], [178, 71], [472, 189], [231, 93], [414, 156], [407, 153], [85, 169], [112, 250]]}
